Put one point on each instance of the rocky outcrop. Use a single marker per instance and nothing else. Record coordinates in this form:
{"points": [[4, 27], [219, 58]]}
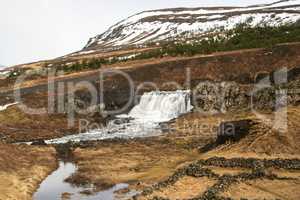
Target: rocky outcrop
{"points": [[233, 131], [220, 97], [214, 97]]}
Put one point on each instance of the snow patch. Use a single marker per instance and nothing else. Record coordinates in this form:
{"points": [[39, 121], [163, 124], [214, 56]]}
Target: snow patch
{"points": [[4, 107], [136, 30]]}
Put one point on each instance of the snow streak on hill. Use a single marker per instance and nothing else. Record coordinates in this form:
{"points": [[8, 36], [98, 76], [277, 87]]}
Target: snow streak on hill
{"points": [[183, 23]]}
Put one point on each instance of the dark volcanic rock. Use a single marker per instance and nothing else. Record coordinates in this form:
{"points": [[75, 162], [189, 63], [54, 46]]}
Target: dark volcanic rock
{"points": [[198, 169], [39, 143], [233, 131]]}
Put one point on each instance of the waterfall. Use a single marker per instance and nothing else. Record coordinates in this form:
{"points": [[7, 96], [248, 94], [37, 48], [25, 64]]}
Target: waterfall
{"points": [[161, 106], [143, 120]]}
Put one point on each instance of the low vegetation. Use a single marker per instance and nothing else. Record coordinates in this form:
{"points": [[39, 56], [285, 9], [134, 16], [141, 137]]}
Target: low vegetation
{"points": [[244, 36], [79, 66]]}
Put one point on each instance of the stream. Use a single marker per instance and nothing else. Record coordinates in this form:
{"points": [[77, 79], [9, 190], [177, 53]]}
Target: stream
{"points": [[143, 120]]}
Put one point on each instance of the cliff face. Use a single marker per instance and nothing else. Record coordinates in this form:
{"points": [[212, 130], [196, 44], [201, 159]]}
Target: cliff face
{"points": [[212, 97], [183, 24]]}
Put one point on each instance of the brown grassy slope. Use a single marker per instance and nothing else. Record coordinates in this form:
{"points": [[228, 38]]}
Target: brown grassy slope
{"points": [[241, 66], [22, 169], [147, 161], [265, 189], [131, 161], [264, 140], [17, 126], [80, 57]]}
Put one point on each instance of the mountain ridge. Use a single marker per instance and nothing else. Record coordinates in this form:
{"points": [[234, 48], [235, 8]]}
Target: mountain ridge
{"points": [[182, 24]]}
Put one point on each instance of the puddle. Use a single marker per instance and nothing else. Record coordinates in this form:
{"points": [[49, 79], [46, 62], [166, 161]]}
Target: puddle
{"points": [[54, 186]]}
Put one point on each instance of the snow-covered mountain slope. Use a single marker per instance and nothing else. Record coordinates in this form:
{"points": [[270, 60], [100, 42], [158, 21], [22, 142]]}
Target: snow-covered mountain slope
{"points": [[183, 23]]}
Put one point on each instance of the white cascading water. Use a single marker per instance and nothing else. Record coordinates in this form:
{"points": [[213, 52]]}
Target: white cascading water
{"points": [[161, 106], [153, 108]]}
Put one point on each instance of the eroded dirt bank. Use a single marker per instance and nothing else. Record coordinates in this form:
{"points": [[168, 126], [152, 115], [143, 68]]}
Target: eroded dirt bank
{"points": [[23, 168]]}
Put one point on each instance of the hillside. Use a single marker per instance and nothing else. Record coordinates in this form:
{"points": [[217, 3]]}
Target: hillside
{"points": [[177, 32], [188, 23], [202, 117]]}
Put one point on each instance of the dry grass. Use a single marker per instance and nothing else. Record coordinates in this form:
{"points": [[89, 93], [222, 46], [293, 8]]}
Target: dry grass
{"points": [[185, 188], [265, 189], [130, 162], [263, 140], [22, 169], [231, 171], [152, 160], [19, 126]]}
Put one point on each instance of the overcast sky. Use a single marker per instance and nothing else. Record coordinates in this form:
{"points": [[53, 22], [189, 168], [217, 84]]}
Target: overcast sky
{"points": [[32, 30]]}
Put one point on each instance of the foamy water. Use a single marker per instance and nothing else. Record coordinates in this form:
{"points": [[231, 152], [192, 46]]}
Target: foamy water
{"points": [[143, 120]]}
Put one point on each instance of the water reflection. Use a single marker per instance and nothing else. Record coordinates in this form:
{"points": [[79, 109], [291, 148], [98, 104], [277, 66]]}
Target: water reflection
{"points": [[54, 186]]}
